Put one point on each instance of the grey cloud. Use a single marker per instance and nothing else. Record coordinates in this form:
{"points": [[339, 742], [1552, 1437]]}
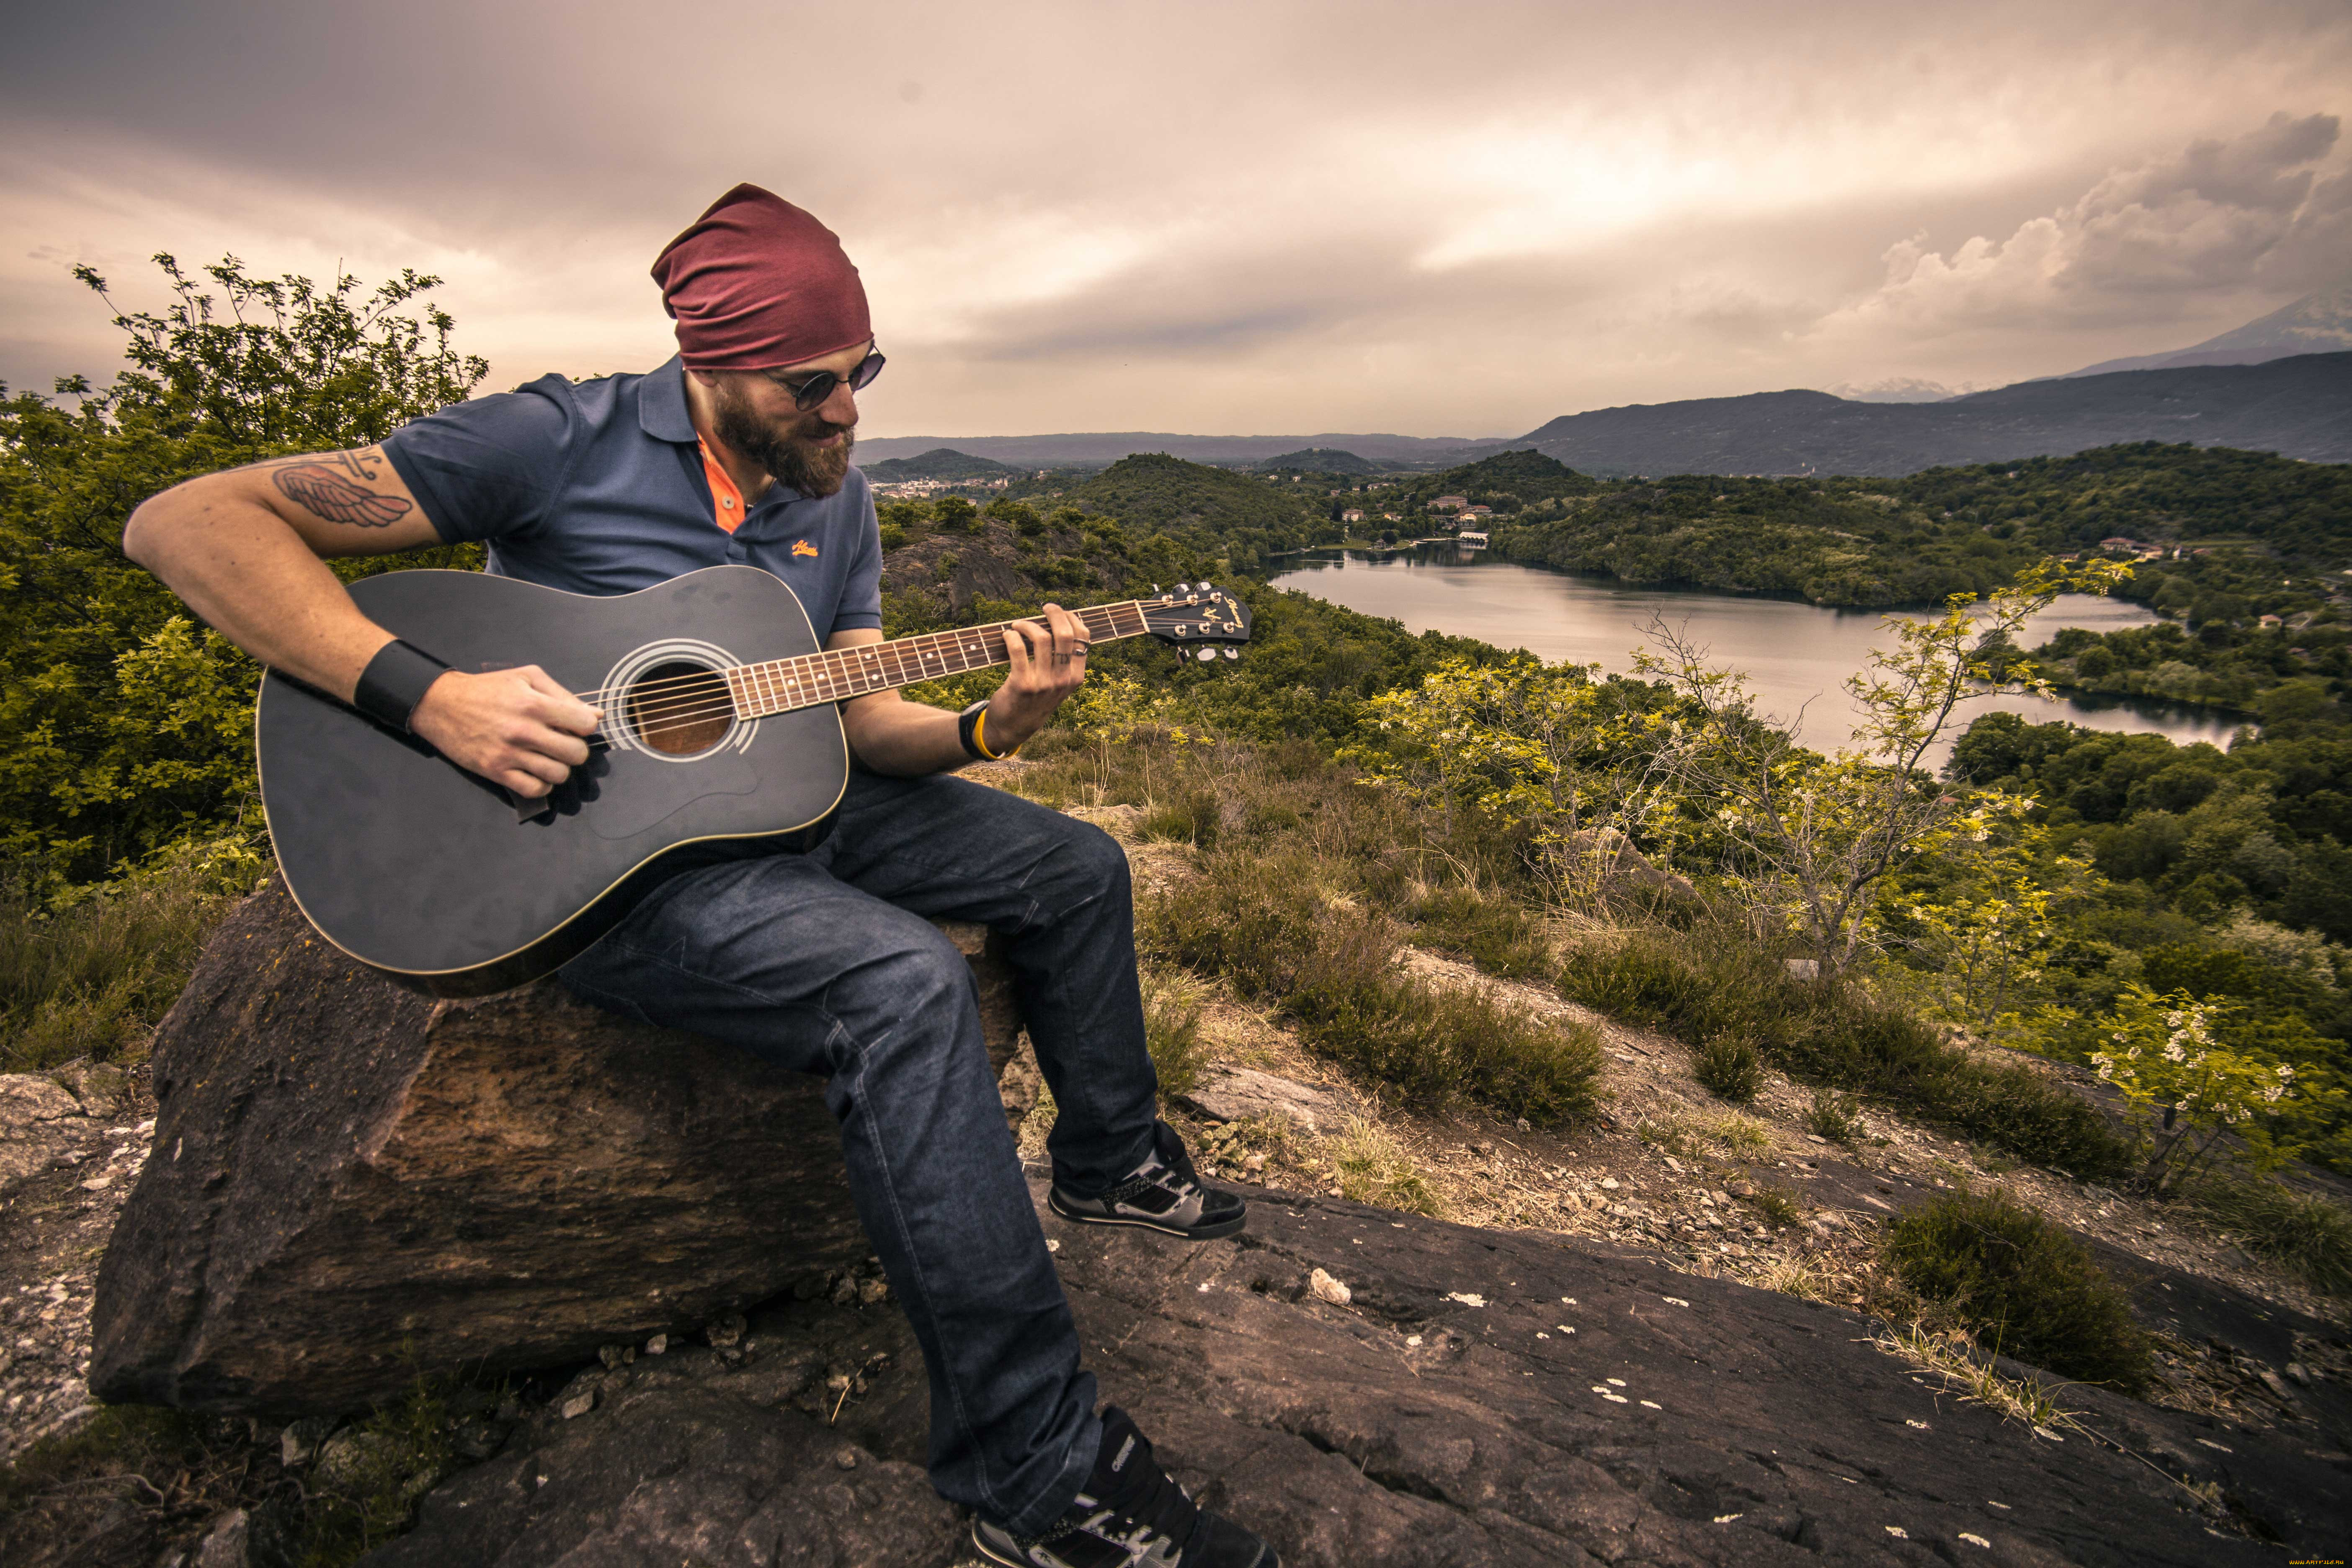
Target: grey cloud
{"points": [[1278, 156]]}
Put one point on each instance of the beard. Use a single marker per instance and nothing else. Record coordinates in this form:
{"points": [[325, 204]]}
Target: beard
{"points": [[791, 456]]}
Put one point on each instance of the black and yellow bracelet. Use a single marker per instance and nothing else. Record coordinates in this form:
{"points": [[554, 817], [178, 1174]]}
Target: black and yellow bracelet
{"points": [[971, 730]]}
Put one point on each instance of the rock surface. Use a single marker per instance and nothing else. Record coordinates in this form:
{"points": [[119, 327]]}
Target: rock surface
{"points": [[1481, 1399], [1236, 1094], [352, 1184], [66, 1164]]}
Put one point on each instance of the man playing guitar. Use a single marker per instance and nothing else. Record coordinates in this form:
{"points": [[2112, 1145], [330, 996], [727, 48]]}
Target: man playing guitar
{"points": [[737, 451]]}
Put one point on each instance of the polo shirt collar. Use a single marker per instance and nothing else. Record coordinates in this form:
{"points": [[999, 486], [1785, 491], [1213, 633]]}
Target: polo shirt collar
{"points": [[661, 404], [662, 413]]}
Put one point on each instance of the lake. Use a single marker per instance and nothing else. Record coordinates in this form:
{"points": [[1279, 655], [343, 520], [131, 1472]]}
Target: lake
{"points": [[1793, 653]]}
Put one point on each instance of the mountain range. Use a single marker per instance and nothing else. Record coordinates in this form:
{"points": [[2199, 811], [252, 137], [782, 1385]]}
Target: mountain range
{"points": [[2281, 383], [2298, 407], [2317, 323]]}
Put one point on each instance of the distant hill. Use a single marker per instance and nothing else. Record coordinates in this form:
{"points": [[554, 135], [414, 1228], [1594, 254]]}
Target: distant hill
{"points": [[2314, 324], [2298, 407], [1100, 450], [1319, 460], [1214, 510], [938, 463]]}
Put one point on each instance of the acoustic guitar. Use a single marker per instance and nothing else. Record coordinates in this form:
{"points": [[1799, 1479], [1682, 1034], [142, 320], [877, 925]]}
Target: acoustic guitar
{"points": [[721, 734]]}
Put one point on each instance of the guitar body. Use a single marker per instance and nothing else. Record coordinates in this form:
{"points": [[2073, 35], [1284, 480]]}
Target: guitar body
{"points": [[411, 864]]}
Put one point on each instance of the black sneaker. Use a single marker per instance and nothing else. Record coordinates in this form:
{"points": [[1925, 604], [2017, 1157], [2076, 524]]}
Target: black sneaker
{"points": [[1164, 1194], [1130, 1516]]}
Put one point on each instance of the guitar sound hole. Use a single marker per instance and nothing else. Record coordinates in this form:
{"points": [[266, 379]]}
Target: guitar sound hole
{"points": [[680, 708]]}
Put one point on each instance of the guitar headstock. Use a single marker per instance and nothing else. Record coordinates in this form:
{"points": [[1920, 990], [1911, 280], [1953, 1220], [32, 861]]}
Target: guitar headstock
{"points": [[1198, 619]]}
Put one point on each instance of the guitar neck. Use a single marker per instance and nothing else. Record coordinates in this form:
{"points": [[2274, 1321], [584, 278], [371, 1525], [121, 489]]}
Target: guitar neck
{"points": [[836, 675]]}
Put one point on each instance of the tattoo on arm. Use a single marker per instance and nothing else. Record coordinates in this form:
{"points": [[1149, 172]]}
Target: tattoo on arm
{"points": [[327, 489]]}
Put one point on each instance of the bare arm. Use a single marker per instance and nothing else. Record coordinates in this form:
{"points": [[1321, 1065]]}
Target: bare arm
{"points": [[892, 735], [244, 548]]}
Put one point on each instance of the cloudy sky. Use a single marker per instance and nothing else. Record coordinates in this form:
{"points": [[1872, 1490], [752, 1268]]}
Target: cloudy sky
{"points": [[1457, 219]]}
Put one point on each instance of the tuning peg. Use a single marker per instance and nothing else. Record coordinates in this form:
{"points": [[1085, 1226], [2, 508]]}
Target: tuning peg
{"points": [[1232, 653], [1206, 654]]}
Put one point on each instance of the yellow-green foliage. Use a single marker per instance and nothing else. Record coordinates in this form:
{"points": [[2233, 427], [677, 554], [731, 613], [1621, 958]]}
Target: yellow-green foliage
{"points": [[2186, 1092], [122, 727]]}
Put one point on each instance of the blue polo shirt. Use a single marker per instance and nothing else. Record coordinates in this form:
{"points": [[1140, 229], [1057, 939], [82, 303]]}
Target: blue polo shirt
{"points": [[599, 488]]}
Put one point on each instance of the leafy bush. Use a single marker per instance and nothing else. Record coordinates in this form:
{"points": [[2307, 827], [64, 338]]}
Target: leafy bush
{"points": [[2024, 1286], [1262, 922], [128, 727], [1703, 984], [1730, 1067]]}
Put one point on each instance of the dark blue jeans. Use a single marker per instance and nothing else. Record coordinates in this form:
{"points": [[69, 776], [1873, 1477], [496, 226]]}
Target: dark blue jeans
{"points": [[828, 963]]}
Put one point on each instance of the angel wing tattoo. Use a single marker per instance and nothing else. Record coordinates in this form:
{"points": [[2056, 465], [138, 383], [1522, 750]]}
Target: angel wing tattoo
{"points": [[336, 499]]}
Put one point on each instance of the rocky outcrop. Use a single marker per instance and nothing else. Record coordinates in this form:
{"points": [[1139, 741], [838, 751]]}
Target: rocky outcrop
{"points": [[1472, 1399], [1610, 862], [1241, 1094], [351, 1185]]}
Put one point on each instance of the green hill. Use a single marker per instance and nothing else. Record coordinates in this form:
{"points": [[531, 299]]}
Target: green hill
{"points": [[943, 463], [1224, 514]]}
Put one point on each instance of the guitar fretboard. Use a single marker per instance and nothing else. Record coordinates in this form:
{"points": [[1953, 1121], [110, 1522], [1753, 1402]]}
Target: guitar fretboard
{"points": [[836, 675]]}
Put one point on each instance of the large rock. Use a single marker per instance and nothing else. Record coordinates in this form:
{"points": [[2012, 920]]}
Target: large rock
{"points": [[1482, 1400], [352, 1184]]}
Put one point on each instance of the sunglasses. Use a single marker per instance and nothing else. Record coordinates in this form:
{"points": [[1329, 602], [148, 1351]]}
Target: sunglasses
{"points": [[811, 390]]}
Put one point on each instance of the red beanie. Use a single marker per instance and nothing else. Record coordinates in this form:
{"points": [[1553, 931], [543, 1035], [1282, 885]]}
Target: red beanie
{"points": [[757, 282]]}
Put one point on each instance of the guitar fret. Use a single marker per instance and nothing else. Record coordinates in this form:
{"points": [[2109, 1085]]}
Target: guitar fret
{"points": [[839, 675]]}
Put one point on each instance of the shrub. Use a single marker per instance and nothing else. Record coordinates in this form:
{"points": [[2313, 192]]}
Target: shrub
{"points": [[1374, 1168], [1777, 1206], [1730, 1067], [1262, 922], [2022, 1285], [1702, 984], [1833, 1117], [2304, 1232], [1172, 1001], [89, 979], [1495, 933], [1191, 817]]}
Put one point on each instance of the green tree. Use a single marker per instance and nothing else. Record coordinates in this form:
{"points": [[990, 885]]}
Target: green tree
{"points": [[126, 726], [1811, 841]]}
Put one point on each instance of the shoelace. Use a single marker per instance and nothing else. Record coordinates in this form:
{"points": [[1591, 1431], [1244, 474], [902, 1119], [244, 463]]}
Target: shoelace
{"points": [[1157, 1174], [1161, 1509]]}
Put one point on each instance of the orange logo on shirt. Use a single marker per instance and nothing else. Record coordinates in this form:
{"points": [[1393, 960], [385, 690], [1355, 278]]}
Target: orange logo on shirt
{"points": [[802, 547]]}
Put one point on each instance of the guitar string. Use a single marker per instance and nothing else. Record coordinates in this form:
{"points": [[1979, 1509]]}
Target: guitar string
{"points": [[711, 694], [902, 643], [720, 704], [704, 686]]}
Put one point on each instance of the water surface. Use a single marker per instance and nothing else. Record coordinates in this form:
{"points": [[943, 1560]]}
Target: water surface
{"points": [[1796, 656]]}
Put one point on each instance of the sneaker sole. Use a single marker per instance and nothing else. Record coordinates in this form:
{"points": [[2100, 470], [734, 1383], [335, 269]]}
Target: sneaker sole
{"points": [[1268, 1559], [1221, 1228], [989, 1553]]}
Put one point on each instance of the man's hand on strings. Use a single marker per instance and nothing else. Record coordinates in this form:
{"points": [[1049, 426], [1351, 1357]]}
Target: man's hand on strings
{"points": [[514, 727], [1049, 661]]}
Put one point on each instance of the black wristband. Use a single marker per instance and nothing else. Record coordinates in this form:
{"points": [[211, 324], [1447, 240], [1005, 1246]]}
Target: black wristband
{"points": [[967, 722], [395, 683]]}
